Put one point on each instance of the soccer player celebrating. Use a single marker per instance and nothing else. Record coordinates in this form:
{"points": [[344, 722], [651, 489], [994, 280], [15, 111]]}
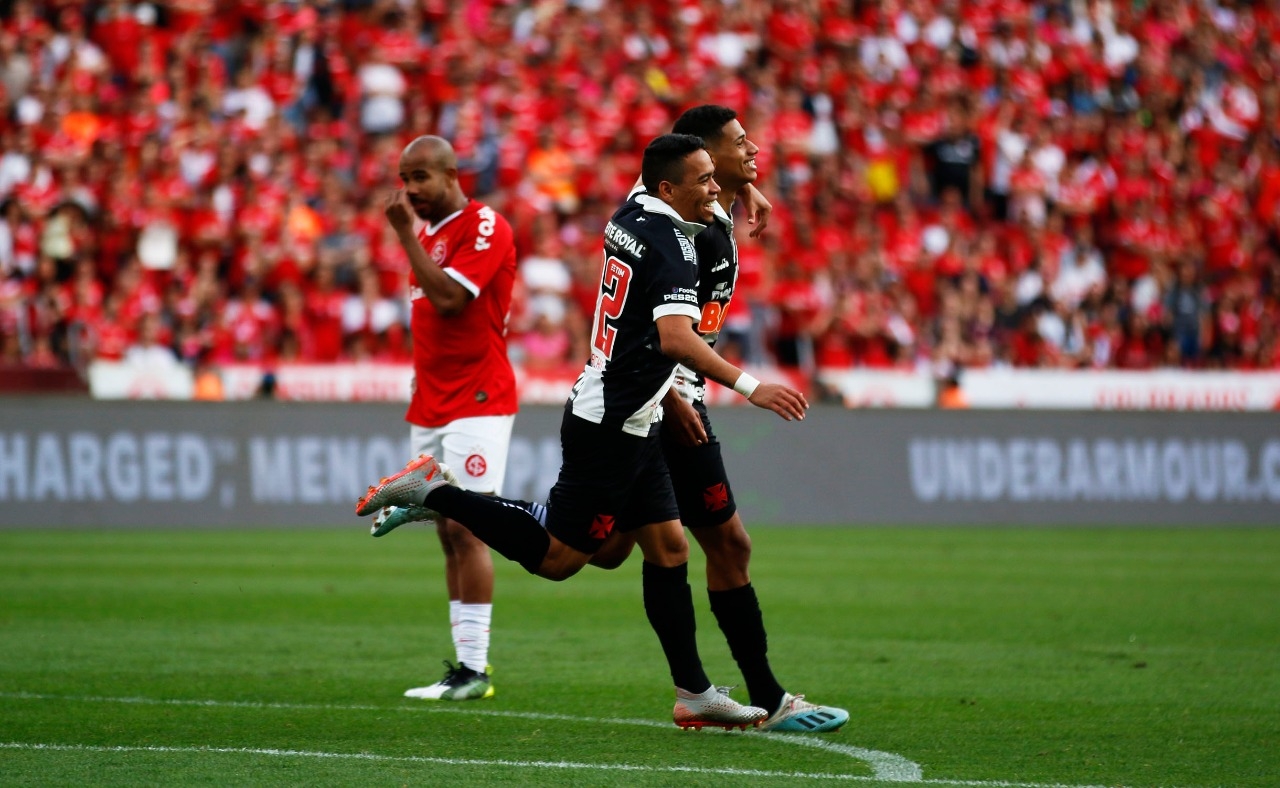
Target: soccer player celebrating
{"points": [[646, 311], [463, 405], [693, 455]]}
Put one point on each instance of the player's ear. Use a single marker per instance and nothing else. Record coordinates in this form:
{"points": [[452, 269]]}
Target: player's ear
{"points": [[666, 191]]}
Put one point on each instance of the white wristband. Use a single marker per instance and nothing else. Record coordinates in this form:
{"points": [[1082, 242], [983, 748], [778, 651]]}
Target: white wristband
{"points": [[746, 385]]}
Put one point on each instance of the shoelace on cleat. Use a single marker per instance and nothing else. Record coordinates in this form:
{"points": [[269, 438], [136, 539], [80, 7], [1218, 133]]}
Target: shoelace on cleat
{"points": [[453, 674], [798, 703]]}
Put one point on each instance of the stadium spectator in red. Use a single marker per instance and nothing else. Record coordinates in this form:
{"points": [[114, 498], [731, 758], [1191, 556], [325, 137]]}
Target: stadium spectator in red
{"points": [[152, 112]]}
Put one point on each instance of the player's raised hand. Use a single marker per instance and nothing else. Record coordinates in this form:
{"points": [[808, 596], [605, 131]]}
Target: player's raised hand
{"points": [[758, 210], [782, 400], [398, 211]]}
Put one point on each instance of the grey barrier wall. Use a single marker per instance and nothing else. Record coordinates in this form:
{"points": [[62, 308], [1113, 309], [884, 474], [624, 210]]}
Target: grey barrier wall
{"points": [[70, 462]]}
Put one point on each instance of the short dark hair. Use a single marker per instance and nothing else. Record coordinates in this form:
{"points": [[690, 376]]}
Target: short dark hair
{"points": [[706, 121], [664, 159]]}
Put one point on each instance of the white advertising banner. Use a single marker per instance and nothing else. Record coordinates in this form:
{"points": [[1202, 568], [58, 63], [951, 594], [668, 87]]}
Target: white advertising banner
{"points": [[1117, 390], [869, 388], [241, 381], [120, 380], [1001, 389], [343, 382], [371, 382]]}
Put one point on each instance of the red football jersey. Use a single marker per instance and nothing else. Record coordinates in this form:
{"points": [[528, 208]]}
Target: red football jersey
{"points": [[460, 363]]}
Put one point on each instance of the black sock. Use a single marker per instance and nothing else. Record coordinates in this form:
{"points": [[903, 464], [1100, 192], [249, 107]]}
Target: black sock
{"points": [[738, 613], [507, 526], [668, 601]]}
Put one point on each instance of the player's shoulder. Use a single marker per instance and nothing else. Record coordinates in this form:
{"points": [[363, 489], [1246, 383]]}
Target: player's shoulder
{"points": [[629, 232], [718, 232], [630, 215], [639, 227], [480, 213], [487, 225]]}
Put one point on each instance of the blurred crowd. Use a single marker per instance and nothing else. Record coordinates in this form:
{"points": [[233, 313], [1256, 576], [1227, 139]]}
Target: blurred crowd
{"points": [[955, 183]]}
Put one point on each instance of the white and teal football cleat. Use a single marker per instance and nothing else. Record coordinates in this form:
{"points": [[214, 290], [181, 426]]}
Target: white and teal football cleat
{"points": [[797, 715], [390, 518]]}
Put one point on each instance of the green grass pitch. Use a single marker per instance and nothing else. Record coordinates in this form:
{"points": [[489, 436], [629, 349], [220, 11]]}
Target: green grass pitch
{"points": [[981, 657]]}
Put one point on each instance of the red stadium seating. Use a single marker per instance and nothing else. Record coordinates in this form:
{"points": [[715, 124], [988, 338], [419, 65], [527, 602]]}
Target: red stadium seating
{"points": [[955, 183]]}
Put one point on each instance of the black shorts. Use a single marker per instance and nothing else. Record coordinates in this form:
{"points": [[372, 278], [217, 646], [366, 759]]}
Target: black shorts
{"points": [[699, 478], [608, 480]]}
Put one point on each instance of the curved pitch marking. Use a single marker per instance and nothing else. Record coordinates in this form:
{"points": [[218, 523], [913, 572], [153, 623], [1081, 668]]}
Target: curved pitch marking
{"points": [[884, 765]]}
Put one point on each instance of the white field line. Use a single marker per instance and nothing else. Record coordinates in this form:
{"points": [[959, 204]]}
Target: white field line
{"points": [[604, 767], [886, 767], [615, 767]]}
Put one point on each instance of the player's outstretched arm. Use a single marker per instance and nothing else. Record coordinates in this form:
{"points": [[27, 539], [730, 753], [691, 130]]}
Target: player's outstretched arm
{"points": [[681, 343]]}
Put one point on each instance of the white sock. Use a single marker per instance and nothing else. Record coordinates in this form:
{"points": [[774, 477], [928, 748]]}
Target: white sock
{"points": [[471, 635]]}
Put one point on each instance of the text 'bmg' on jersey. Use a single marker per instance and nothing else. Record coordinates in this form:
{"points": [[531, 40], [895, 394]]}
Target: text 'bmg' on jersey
{"points": [[717, 275]]}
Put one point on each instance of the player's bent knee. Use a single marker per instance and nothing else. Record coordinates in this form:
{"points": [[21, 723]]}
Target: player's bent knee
{"points": [[727, 545], [557, 571], [561, 562], [612, 561], [614, 552], [664, 544], [675, 550], [738, 550]]}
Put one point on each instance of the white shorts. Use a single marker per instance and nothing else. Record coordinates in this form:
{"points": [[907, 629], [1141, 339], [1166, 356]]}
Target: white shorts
{"points": [[474, 448]]}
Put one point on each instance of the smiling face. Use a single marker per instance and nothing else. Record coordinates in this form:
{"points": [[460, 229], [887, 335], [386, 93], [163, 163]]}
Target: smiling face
{"points": [[734, 156], [695, 195]]}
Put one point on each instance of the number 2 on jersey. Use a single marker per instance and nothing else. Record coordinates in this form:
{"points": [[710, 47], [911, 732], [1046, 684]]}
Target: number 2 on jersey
{"points": [[615, 280]]}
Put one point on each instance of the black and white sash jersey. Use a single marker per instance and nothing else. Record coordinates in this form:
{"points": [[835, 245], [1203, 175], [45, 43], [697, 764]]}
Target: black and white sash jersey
{"points": [[717, 275], [650, 271]]}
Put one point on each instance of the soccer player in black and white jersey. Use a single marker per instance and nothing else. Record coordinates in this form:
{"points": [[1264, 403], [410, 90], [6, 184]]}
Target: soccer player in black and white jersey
{"points": [[644, 324], [692, 451]]}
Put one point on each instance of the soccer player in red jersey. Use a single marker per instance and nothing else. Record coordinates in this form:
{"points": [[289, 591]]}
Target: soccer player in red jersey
{"points": [[463, 405]]}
